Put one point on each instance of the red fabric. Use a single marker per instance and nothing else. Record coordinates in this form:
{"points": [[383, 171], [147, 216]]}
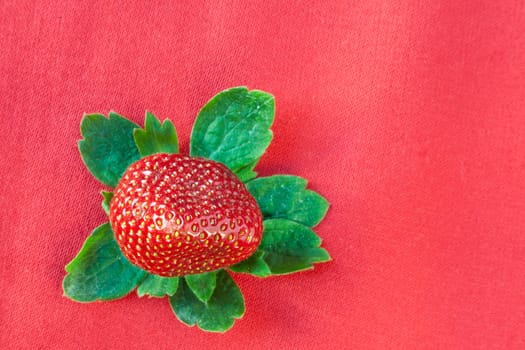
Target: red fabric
{"points": [[408, 116]]}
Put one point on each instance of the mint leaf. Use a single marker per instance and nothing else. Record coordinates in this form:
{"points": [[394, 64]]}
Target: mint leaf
{"points": [[156, 137], [202, 285], [286, 197], [218, 314], [254, 265], [107, 200], [108, 147], [158, 286], [233, 128], [100, 271], [289, 247]]}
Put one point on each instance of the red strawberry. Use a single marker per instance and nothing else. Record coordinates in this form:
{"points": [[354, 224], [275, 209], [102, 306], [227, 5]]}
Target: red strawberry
{"points": [[174, 216]]}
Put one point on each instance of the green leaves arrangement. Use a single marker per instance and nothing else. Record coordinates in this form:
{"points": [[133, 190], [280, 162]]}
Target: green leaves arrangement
{"points": [[233, 128]]}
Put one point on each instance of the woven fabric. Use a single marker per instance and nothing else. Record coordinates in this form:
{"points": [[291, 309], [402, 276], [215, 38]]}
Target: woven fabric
{"points": [[409, 117]]}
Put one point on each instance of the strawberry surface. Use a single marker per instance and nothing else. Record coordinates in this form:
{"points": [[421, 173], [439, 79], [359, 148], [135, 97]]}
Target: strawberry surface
{"points": [[174, 215]]}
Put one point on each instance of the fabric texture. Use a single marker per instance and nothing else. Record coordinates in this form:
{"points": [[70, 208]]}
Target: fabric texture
{"points": [[409, 117]]}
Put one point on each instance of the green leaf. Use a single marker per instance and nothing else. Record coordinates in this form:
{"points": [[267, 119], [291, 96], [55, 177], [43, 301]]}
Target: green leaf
{"points": [[286, 197], [218, 314], [108, 147], [100, 271], [289, 247], [246, 174], [202, 285], [158, 286], [233, 128], [107, 200], [156, 138], [254, 265]]}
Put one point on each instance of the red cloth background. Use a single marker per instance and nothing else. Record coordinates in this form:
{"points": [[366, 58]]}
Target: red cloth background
{"points": [[409, 118]]}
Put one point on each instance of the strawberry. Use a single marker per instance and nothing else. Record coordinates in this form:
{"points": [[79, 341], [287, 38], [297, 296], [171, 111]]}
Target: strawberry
{"points": [[174, 215]]}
